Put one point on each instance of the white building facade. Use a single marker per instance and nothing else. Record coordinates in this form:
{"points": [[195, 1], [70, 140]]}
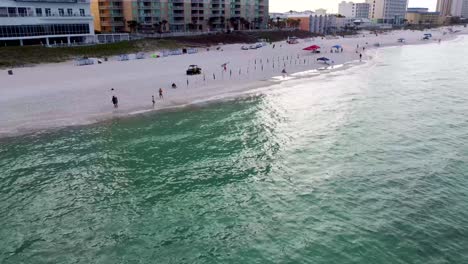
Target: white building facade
{"points": [[329, 24], [452, 7], [32, 22], [354, 10], [464, 12], [388, 11], [346, 9], [456, 9]]}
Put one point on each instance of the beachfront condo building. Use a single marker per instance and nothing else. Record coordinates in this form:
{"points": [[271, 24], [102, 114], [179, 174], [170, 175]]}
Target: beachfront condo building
{"points": [[27, 22], [149, 16], [464, 12], [354, 10], [450, 7], [457, 8], [422, 16], [388, 11]]}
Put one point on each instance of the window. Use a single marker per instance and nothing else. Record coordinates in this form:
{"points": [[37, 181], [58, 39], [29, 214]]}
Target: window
{"points": [[48, 12], [41, 30], [82, 12], [70, 12], [12, 11], [22, 11], [61, 12], [38, 11], [3, 12]]}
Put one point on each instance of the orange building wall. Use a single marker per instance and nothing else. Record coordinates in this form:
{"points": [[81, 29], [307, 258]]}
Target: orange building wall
{"points": [[305, 22]]}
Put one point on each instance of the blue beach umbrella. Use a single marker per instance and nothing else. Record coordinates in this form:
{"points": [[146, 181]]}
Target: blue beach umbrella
{"points": [[323, 59], [337, 47]]}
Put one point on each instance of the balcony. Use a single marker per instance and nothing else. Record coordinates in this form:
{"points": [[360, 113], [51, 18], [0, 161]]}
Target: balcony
{"points": [[51, 15], [56, 1], [113, 23]]}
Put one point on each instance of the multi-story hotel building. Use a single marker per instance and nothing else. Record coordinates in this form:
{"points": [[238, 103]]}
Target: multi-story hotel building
{"points": [[25, 22], [450, 7], [354, 10], [388, 11], [179, 15]]}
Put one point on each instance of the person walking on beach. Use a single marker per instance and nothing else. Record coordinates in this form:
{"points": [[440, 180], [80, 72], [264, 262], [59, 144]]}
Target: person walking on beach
{"points": [[360, 57], [161, 93], [284, 73], [115, 101], [152, 99]]}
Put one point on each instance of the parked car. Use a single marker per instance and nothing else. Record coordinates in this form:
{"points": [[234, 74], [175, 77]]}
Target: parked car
{"points": [[253, 47], [193, 70], [245, 48]]}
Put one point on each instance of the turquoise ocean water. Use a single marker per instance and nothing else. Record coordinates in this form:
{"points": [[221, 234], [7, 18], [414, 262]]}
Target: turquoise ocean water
{"points": [[364, 165]]}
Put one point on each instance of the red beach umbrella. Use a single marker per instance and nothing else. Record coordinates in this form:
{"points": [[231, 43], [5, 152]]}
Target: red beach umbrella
{"points": [[312, 48]]}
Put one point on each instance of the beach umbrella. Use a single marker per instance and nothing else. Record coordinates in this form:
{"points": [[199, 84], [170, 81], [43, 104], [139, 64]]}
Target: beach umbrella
{"points": [[312, 48], [323, 59], [337, 47]]}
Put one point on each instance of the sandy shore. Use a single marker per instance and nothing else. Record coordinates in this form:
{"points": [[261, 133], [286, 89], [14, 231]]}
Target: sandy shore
{"points": [[56, 95]]}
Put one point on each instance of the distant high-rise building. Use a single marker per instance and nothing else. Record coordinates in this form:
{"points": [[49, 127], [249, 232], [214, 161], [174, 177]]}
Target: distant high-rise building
{"points": [[179, 15], [444, 7], [450, 7], [320, 12], [354, 10], [388, 11], [464, 12]]}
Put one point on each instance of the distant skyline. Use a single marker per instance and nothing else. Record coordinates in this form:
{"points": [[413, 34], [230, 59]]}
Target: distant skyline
{"points": [[331, 5]]}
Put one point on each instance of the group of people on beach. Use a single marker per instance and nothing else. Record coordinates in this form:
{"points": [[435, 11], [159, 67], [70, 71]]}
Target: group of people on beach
{"points": [[284, 73], [115, 100]]}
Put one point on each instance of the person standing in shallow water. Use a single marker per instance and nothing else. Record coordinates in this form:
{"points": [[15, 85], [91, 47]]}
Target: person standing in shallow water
{"points": [[161, 93], [152, 99], [115, 101]]}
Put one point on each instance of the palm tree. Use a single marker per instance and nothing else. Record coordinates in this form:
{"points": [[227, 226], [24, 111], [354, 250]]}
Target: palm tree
{"points": [[232, 22], [191, 26], [157, 27], [260, 21], [243, 22], [164, 24], [132, 25], [271, 22]]}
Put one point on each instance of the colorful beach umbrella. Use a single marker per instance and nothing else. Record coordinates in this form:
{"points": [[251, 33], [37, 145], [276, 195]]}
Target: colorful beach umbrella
{"points": [[312, 48]]}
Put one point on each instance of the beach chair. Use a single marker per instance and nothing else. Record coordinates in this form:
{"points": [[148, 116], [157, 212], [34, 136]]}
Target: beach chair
{"points": [[123, 57], [140, 55]]}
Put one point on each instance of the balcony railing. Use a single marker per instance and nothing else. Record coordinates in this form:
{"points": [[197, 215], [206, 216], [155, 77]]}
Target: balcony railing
{"points": [[56, 1], [113, 23], [44, 15]]}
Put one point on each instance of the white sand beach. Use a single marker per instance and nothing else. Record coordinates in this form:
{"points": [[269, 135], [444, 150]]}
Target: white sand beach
{"points": [[56, 95]]}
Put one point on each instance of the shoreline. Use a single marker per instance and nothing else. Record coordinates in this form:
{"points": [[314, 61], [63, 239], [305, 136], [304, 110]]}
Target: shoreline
{"points": [[53, 114]]}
